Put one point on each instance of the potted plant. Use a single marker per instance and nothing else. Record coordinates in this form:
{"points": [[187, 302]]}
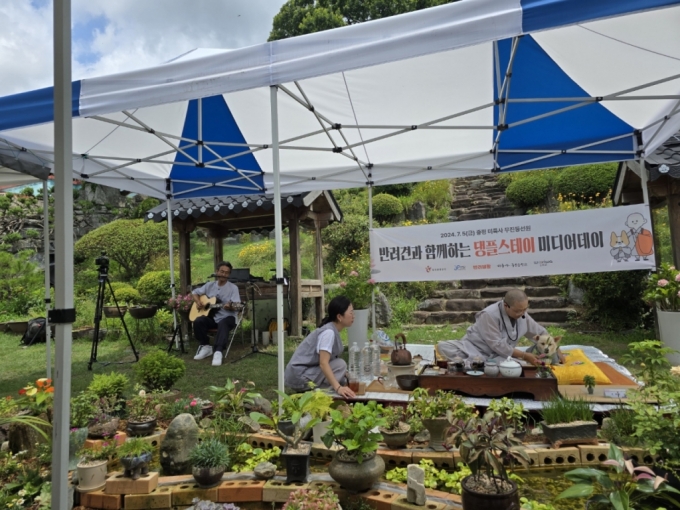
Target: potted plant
{"points": [[159, 371], [35, 411], [486, 445], [356, 465], [395, 432], [623, 489], [568, 421], [544, 369], [319, 407], [135, 455], [92, 466], [436, 412], [663, 292], [111, 385], [141, 415], [83, 411], [232, 398], [181, 304], [209, 460], [295, 455], [105, 422], [589, 383], [141, 312], [318, 498], [511, 413]]}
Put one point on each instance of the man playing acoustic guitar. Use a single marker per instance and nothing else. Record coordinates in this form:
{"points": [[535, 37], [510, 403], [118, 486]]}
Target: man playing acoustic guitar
{"points": [[224, 319]]}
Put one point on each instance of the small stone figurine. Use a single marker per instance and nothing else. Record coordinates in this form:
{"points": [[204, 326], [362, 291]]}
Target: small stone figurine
{"points": [[415, 485]]}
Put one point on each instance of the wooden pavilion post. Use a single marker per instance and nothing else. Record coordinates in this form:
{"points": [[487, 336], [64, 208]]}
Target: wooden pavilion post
{"points": [[674, 219], [319, 304], [295, 284], [184, 238], [218, 249]]}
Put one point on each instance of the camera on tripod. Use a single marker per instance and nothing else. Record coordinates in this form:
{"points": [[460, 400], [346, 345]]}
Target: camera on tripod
{"points": [[102, 261]]}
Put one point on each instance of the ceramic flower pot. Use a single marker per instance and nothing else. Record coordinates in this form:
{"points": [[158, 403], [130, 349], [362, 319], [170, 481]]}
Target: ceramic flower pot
{"points": [[578, 432], [141, 429], [207, 477], [136, 466], [297, 463], [395, 439], [91, 475], [437, 428], [358, 331], [476, 499], [142, 312], [669, 325], [111, 312], [353, 476]]}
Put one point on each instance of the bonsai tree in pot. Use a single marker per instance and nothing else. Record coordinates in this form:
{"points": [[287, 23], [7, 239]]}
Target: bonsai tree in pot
{"points": [[395, 432], [93, 465], [296, 455], [134, 455], [568, 421], [209, 460], [141, 415], [232, 398], [589, 383], [105, 422], [486, 445], [436, 412], [356, 465], [511, 413]]}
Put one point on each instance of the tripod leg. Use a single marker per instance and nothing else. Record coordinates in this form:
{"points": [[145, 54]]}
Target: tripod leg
{"points": [[97, 320], [122, 319]]}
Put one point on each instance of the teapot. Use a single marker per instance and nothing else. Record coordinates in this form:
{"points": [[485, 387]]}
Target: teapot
{"points": [[400, 355], [510, 368]]}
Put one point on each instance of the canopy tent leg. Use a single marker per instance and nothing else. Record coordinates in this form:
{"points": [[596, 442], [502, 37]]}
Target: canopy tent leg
{"points": [[172, 270], [63, 314], [644, 178], [46, 258], [370, 227], [279, 237]]}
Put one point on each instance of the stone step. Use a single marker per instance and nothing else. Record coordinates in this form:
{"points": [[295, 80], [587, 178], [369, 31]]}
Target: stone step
{"points": [[531, 292], [478, 304], [471, 217], [457, 294], [548, 316], [559, 315], [546, 291]]}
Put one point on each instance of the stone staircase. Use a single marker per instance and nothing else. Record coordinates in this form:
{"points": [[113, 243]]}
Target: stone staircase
{"points": [[481, 198]]}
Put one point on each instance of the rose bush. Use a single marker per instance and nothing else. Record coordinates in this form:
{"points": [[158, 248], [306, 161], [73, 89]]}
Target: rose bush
{"points": [[663, 289]]}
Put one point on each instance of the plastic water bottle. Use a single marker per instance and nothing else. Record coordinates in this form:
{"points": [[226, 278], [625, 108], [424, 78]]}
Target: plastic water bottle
{"points": [[356, 369], [375, 359], [367, 361]]}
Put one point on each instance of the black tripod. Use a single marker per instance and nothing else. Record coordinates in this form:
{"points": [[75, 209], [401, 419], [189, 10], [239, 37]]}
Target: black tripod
{"points": [[177, 331], [253, 340], [103, 266]]}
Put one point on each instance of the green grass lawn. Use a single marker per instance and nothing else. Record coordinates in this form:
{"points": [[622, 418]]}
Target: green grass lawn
{"points": [[21, 365]]}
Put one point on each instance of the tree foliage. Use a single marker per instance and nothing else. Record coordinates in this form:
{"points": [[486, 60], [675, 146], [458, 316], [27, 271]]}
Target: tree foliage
{"points": [[131, 243], [586, 182], [345, 239], [298, 17], [20, 283]]}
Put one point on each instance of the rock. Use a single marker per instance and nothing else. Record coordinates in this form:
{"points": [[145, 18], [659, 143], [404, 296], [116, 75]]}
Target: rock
{"points": [[422, 437], [250, 423], [255, 238], [5, 446], [417, 212], [261, 405], [383, 311], [180, 439], [415, 485], [431, 305], [265, 470], [576, 295], [272, 234], [230, 240]]}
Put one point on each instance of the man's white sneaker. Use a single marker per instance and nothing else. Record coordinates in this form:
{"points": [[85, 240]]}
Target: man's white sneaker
{"points": [[204, 351], [217, 359]]}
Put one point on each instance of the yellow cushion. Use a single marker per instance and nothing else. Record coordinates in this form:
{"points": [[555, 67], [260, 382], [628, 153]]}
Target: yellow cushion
{"points": [[577, 365]]}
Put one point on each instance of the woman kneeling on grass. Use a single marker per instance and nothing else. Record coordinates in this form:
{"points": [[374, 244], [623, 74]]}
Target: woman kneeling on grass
{"points": [[317, 359]]}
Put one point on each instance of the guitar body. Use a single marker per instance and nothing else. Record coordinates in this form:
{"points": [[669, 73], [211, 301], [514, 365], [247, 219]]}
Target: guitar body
{"points": [[195, 313]]}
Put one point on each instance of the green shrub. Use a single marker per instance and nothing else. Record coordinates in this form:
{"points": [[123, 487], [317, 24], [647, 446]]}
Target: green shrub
{"points": [[613, 300], [165, 320], [127, 295], [396, 190], [434, 194], [5, 203], [159, 370], [109, 385], [21, 283], [586, 182], [386, 206], [28, 191], [12, 237], [344, 238], [529, 191], [130, 243], [210, 453], [154, 287], [32, 233]]}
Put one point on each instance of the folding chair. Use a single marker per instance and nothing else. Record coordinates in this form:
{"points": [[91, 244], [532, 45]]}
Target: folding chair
{"points": [[212, 333]]}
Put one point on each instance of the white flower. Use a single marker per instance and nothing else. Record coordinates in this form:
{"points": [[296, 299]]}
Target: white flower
{"points": [[21, 493], [142, 393], [20, 502]]}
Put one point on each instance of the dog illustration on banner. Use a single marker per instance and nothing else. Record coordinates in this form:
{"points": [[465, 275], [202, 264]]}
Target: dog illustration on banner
{"points": [[636, 242]]}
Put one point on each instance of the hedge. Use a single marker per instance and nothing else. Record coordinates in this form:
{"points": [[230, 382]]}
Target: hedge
{"points": [[586, 182], [386, 206], [529, 191], [154, 287]]}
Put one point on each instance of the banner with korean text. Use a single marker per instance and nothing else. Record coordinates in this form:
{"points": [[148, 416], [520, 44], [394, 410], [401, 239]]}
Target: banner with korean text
{"points": [[590, 241]]}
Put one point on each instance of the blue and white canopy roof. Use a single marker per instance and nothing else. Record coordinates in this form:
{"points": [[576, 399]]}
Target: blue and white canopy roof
{"points": [[461, 89]]}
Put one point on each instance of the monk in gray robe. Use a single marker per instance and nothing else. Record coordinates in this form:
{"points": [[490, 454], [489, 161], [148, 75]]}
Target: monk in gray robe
{"points": [[496, 331]]}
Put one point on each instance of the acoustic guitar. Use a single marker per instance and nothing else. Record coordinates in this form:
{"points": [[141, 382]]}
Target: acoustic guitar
{"points": [[212, 303]]}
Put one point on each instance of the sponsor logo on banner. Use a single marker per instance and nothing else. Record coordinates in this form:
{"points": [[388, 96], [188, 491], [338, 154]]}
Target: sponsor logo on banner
{"points": [[595, 240]]}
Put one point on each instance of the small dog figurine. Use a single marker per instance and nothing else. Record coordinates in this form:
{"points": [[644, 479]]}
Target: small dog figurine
{"points": [[547, 346]]}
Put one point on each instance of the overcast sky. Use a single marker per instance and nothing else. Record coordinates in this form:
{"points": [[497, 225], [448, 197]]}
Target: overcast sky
{"points": [[120, 35]]}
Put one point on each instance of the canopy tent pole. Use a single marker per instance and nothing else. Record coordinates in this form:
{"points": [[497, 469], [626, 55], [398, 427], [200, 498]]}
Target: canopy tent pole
{"points": [[370, 227], [278, 237], [172, 270], [63, 314], [46, 258], [644, 178]]}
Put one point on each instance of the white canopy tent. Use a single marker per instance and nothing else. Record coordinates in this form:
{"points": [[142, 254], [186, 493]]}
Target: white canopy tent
{"points": [[461, 89]]}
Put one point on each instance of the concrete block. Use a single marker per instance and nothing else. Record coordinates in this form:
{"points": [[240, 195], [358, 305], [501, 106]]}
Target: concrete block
{"points": [[567, 456], [379, 499], [319, 451], [101, 500], [278, 491], [161, 497], [265, 441], [238, 491], [593, 455], [440, 459], [396, 458], [155, 439], [116, 483], [184, 494], [339, 491], [401, 503]]}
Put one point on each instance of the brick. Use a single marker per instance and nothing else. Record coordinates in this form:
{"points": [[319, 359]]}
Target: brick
{"points": [[637, 455], [321, 452], [592, 455], [396, 458], [161, 497], [567, 456], [96, 444], [339, 491], [277, 491], [533, 459], [238, 491], [265, 441], [116, 483], [453, 499], [176, 480], [379, 499], [101, 500], [185, 493], [154, 439], [401, 503], [440, 459], [648, 459]]}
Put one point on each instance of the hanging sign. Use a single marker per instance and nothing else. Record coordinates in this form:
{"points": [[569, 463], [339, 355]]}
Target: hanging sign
{"points": [[589, 241]]}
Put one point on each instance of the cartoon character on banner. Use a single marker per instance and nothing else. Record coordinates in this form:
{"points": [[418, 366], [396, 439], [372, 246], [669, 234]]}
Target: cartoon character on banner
{"points": [[641, 239], [620, 246]]}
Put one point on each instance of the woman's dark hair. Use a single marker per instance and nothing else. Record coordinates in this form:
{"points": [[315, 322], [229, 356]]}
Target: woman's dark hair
{"points": [[337, 306]]}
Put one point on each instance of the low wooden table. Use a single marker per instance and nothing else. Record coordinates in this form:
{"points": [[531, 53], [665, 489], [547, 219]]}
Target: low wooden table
{"points": [[483, 386]]}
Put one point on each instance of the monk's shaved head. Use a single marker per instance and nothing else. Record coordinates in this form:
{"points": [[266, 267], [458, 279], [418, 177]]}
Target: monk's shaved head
{"points": [[515, 296]]}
